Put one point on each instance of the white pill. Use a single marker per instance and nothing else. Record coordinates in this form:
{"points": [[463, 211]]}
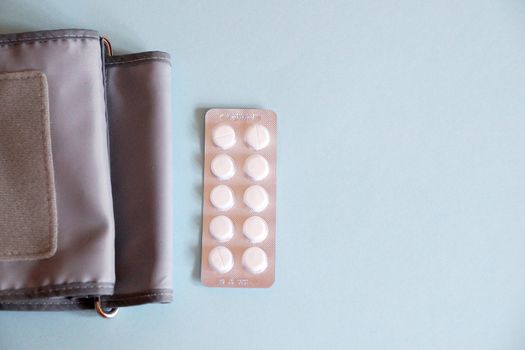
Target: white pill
{"points": [[257, 137], [223, 166], [256, 198], [255, 229], [222, 197], [221, 259], [256, 167], [254, 260], [221, 228], [223, 136]]}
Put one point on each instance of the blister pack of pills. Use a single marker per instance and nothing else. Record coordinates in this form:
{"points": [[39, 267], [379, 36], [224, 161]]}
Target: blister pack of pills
{"points": [[238, 219]]}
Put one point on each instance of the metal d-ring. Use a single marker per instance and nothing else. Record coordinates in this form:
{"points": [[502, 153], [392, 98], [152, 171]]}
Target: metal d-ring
{"points": [[106, 313], [107, 45]]}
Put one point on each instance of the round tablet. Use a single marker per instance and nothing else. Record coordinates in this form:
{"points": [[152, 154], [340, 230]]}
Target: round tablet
{"points": [[256, 167], [223, 166], [254, 260], [221, 259], [221, 228], [256, 198], [223, 136], [222, 197], [257, 137], [255, 229]]}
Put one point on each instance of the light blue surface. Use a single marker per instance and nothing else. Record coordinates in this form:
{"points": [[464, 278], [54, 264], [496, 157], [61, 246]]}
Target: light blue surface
{"points": [[401, 174]]}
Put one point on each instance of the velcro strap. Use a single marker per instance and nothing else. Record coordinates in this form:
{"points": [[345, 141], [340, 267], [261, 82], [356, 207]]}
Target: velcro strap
{"points": [[28, 215]]}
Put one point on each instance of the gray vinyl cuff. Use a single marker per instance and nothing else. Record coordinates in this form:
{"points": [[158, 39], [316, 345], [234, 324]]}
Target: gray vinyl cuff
{"points": [[58, 86], [56, 215]]}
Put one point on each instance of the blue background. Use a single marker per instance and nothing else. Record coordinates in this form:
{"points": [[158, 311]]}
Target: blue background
{"points": [[401, 174]]}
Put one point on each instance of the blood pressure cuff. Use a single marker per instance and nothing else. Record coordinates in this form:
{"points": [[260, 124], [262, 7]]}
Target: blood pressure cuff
{"points": [[85, 173]]}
